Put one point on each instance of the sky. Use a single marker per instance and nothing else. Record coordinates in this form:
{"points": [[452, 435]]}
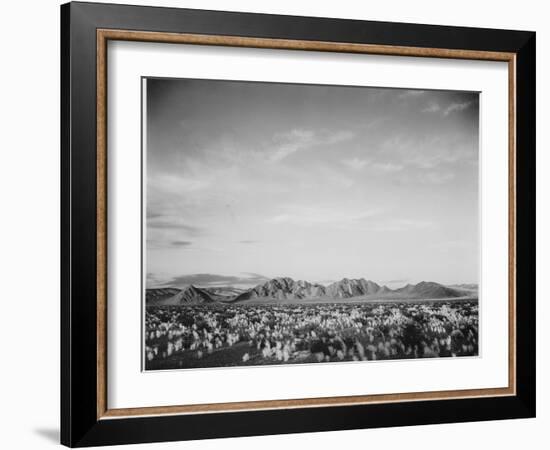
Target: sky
{"points": [[246, 181]]}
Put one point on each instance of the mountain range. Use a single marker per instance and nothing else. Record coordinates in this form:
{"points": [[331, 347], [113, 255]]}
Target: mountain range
{"points": [[190, 296], [287, 290]]}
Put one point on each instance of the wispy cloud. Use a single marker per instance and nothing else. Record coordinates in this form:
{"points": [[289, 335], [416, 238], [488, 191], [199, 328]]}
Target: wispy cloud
{"points": [[411, 93], [433, 107], [443, 156], [155, 280], [339, 136], [388, 167], [357, 164], [156, 243], [255, 276], [285, 144], [288, 143], [211, 280], [430, 152], [171, 232], [456, 107], [174, 223], [181, 243]]}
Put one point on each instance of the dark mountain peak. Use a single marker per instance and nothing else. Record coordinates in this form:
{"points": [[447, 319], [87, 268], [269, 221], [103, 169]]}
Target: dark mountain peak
{"points": [[283, 282], [346, 288], [283, 288], [429, 289], [281, 279], [188, 296], [286, 289], [193, 295], [427, 284], [408, 288]]}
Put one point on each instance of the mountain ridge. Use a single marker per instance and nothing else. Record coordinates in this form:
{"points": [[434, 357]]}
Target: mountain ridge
{"points": [[285, 289], [190, 296]]}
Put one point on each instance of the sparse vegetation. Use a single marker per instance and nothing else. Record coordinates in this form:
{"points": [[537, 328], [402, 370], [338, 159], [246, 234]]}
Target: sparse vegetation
{"points": [[219, 335]]}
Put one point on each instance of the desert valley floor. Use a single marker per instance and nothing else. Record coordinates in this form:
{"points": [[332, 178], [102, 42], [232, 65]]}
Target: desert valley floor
{"points": [[287, 322]]}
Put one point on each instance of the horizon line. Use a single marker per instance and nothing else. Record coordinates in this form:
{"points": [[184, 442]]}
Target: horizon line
{"points": [[402, 283]]}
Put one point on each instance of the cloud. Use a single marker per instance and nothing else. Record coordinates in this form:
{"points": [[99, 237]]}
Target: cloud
{"points": [[254, 275], [444, 156], [456, 107], [433, 107], [340, 136], [430, 152], [156, 243], [285, 144], [411, 93], [247, 241], [297, 139], [152, 279], [358, 164], [181, 243], [355, 163], [170, 232], [173, 223], [209, 279], [388, 167]]}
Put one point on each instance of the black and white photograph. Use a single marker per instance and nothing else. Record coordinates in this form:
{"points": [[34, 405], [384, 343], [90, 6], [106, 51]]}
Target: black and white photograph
{"points": [[300, 223]]}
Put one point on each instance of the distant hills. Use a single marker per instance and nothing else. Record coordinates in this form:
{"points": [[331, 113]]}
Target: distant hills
{"points": [[223, 293], [190, 296], [157, 296], [347, 288], [287, 290], [283, 289], [465, 286], [426, 289]]}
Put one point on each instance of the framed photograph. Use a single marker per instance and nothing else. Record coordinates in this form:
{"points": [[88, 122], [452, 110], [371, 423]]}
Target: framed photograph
{"points": [[276, 224]]}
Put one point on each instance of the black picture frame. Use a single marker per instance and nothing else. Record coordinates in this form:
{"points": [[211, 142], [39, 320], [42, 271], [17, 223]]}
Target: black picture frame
{"points": [[80, 425]]}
